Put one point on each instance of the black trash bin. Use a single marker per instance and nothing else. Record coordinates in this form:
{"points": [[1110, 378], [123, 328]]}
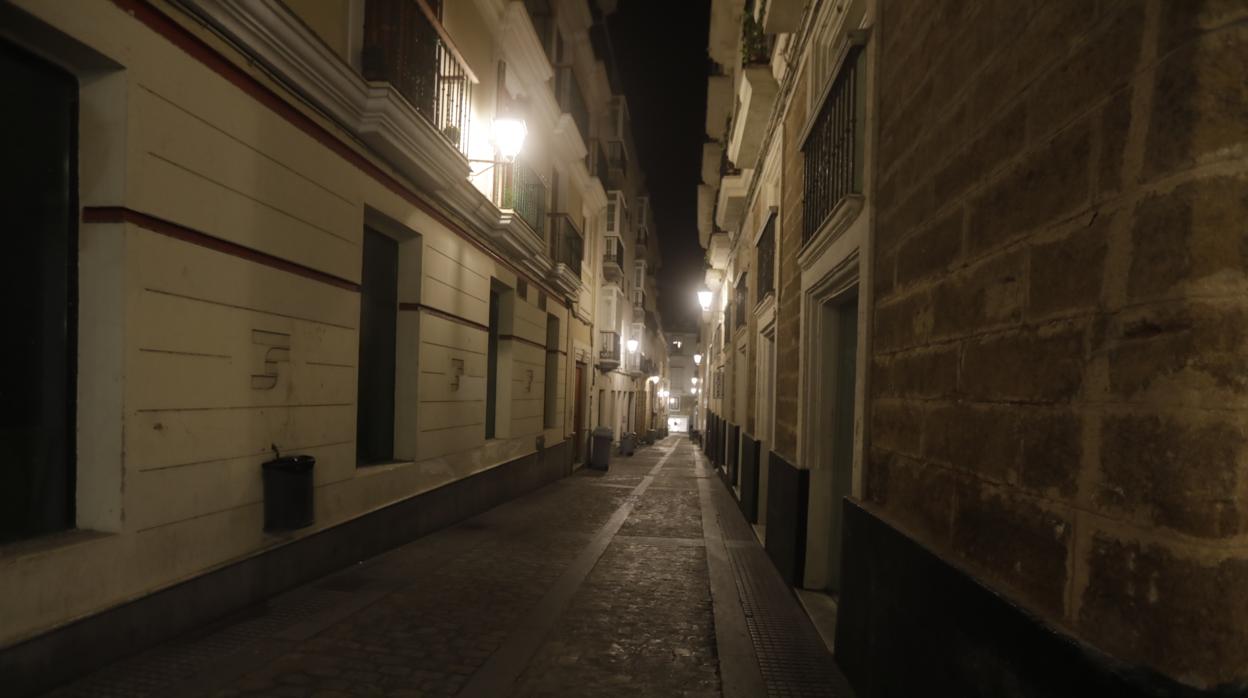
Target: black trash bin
{"points": [[288, 493], [600, 454]]}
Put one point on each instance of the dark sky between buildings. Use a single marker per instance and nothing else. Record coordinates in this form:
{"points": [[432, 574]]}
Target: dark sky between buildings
{"points": [[660, 49]]}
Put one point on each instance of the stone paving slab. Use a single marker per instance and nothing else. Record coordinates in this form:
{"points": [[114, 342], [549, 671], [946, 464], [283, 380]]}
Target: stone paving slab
{"points": [[597, 585]]}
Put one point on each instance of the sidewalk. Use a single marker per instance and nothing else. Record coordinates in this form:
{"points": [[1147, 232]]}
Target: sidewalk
{"points": [[641, 581]]}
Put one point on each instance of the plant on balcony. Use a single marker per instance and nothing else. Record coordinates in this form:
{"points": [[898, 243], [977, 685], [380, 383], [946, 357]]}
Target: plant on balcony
{"points": [[755, 45]]}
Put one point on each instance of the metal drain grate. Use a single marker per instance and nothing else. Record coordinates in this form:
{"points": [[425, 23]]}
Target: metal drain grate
{"points": [[791, 655]]}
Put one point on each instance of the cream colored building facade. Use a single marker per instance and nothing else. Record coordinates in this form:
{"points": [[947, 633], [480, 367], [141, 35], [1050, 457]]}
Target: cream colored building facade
{"points": [[234, 162], [779, 65]]}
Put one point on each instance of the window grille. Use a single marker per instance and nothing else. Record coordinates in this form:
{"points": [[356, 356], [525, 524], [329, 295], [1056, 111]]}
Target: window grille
{"points": [[833, 148]]}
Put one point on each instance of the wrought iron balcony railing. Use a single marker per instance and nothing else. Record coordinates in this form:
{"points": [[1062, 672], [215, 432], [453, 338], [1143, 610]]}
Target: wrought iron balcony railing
{"points": [[756, 46], [617, 162], [741, 301], [406, 46], [566, 244], [518, 188], [613, 259], [833, 149], [609, 351], [571, 100], [542, 15], [598, 162], [767, 259]]}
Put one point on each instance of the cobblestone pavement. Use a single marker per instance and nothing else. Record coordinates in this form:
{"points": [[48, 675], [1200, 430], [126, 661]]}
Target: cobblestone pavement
{"points": [[597, 585]]}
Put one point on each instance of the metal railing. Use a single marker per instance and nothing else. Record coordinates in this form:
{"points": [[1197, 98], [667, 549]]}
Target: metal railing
{"points": [[833, 163], [598, 162], [617, 156], [767, 259], [609, 351], [756, 46], [542, 15], [406, 46], [566, 244], [571, 100], [614, 253], [520, 189], [740, 302]]}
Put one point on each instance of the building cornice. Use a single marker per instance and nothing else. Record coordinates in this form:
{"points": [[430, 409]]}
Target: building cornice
{"points": [[377, 116]]}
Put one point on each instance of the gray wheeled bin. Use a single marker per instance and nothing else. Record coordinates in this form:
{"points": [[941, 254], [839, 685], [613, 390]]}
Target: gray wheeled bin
{"points": [[600, 449], [628, 443]]}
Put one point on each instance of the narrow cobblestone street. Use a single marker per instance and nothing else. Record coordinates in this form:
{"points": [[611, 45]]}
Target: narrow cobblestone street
{"points": [[599, 584]]}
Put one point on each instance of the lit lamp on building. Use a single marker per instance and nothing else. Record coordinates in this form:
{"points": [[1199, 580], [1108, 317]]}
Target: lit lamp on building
{"points": [[508, 133], [631, 345], [704, 299], [697, 360]]}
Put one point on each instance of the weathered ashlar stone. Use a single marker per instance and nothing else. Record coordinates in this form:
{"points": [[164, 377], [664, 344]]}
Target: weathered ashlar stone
{"points": [[1096, 309], [1183, 472], [1018, 540], [1181, 613], [1191, 239]]}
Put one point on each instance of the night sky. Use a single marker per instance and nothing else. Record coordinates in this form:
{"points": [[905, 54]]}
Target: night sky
{"points": [[660, 48]]}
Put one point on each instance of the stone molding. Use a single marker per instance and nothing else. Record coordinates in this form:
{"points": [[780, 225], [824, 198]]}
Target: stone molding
{"points": [[383, 120], [841, 218]]}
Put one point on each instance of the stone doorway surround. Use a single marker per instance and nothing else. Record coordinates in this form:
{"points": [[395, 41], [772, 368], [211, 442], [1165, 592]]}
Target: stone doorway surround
{"points": [[832, 266]]}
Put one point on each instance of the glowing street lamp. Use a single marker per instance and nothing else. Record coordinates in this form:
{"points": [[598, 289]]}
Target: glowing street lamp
{"points": [[632, 346], [508, 134], [694, 380], [704, 299], [697, 359]]}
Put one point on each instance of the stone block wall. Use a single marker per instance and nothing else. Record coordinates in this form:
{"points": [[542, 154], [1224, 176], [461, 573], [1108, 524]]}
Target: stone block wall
{"points": [[1059, 397]]}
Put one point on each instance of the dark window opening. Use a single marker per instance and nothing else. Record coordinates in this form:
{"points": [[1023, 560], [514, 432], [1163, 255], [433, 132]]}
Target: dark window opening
{"points": [[550, 415], [741, 302], [379, 287], [37, 387], [767, 259], [491, 368]]}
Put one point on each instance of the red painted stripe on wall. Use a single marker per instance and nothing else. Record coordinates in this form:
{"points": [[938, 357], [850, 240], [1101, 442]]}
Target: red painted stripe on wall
{"points": [[179, 36], [119, 214]]}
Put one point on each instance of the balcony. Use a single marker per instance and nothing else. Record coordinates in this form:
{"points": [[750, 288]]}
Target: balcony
{"points": [[566, 244], [833, 148], [756, 46], [731, 206], [740, 301], [648, 367], [571, 101], [598, 162], [609, 352], [767, 259], [613, 259], [519, 189], [755, 97], [617, 165], [405, 45], [639, 300], [542, 15]]}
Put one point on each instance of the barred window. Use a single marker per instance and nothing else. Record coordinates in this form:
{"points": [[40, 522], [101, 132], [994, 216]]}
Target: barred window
{"points": [[833, 147]]}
